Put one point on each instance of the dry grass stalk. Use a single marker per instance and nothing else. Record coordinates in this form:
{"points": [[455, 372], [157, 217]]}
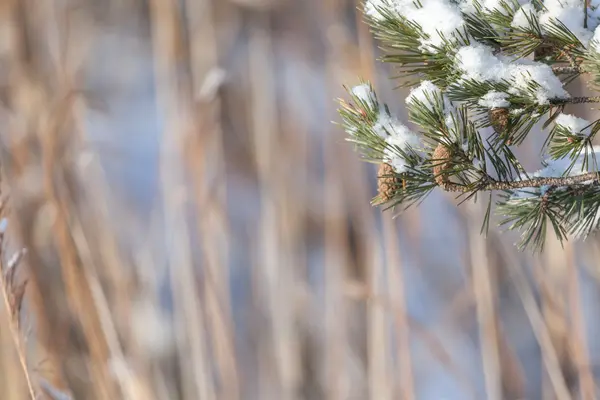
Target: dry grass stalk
{"points": [[45, 115], [207, 153], [552, 277], [336, 312], [483, 290], [12, 295], [421, 333], [543, 333], [345, 321], [378, 352], [271, 282], [396, 280], [578, 339], [176, 98], [101, 288]]}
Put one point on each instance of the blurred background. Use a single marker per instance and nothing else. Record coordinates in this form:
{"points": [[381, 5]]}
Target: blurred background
{"points": [[184, 221]]}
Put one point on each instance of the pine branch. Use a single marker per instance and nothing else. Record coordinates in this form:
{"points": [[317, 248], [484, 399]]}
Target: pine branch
{"points": [[561, 69], [467, 82], [527, 183], [575, 100]]}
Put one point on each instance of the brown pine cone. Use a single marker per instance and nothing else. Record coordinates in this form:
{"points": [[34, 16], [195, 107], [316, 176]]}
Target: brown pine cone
{"points": [[499, 119], [387, 182], [441, 157]]}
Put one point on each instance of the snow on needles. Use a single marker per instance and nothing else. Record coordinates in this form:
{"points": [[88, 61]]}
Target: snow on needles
{"points": [[401, 138], [425, 93], [494, 99], [443, 18], [396, 135], [480, 64], [438, 19], [430, 95], [573, 124], [595, 42], [570, 13], [523, 16], [365, 94], [470, 6]]}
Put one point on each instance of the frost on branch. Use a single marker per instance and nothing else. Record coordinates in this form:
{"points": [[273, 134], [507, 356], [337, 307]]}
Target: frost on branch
{"points": [[473, 65]]}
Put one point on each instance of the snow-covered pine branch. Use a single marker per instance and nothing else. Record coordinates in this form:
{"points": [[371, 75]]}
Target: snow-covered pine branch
{"points": [[483, 75]]}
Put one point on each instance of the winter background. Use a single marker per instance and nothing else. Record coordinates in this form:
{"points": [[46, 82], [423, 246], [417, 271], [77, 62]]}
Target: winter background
{"points": [[292, 286]]}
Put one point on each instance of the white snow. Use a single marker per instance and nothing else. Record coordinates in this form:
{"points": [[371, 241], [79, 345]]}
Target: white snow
{"points": [[372, 8], [387, 125], [437, 18], [479, 63], [426, 93], [389, 128], [550, 85], [595, 42], [574, 124], [468, 6], [522, 17], [558, 168], [402, 138], [442, 18], [570, 13], [365, 93], [494, 99], [593, 14]]}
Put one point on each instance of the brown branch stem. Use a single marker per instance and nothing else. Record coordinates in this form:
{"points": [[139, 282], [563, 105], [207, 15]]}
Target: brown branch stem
{"points": [[575, 100], [564, 69], [527, 183]]}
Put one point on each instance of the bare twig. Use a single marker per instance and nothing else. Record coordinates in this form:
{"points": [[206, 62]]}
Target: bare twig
{"points": [[12, 296], [575, 100], [563, 69], [527, 183]]}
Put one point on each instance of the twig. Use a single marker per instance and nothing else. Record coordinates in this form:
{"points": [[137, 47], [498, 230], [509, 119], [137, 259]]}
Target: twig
{"points": [[527, 183], [12, 305], [575, 100], [563, 69]]}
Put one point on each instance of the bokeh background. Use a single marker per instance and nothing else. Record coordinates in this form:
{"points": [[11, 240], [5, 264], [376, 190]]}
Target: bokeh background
{"points": [[196, 227]]}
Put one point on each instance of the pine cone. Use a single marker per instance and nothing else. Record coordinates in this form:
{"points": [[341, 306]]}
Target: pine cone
{"points": [[499, 119], [441, 157], [386, 182]]}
